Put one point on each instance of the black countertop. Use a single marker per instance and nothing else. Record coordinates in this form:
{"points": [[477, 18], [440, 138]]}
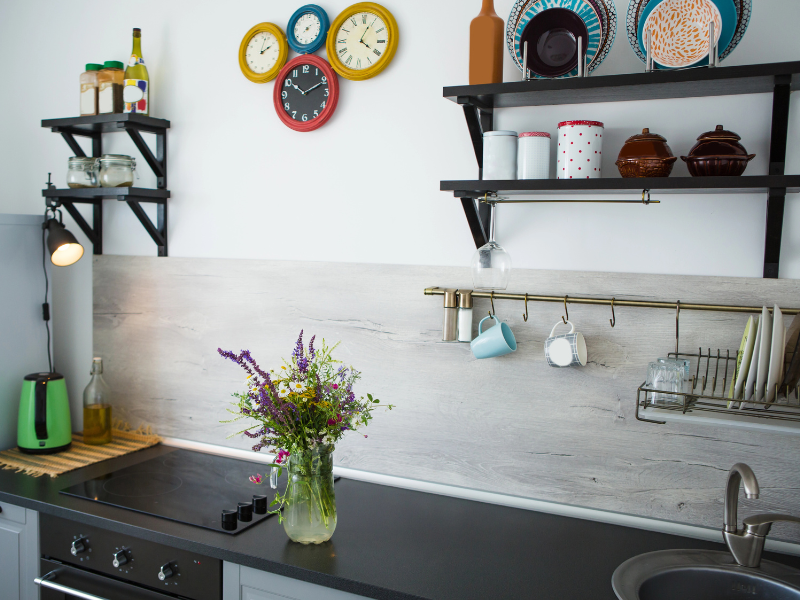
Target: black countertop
{"points": [[391, 543]]}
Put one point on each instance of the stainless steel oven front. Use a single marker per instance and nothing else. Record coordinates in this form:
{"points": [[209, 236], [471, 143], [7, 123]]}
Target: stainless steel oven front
{"points": [[80, 561]]}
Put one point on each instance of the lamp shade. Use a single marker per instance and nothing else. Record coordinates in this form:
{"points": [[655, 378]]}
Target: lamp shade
{"points": [[64, 249]]}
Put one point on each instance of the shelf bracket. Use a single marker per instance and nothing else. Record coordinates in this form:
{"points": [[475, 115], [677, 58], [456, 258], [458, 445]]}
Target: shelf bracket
{"points": [[480, 118], [478, 215], [94, 233], [69, 136], [156, 163], [159, 231], [776, 199]]}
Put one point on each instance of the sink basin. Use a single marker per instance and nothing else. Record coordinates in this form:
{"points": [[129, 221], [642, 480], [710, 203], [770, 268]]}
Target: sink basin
{"points": [[702, 575]]}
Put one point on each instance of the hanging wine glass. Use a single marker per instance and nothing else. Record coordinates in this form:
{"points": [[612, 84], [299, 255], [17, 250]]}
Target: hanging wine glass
{"points": [[491, 264]]}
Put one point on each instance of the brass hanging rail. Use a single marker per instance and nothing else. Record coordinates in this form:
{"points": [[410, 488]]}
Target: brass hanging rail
{"points": [[436, 291]]}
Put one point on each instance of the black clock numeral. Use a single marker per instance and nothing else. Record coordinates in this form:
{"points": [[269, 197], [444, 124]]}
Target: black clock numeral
{"points": [[379, 30], [381, 41], [368, 60], [287, 107], [342, 51], [316, 114], [294, 115], [324, 79], [377, 52], [349, 59], [355, 24], [341, 41], [364, 19], [323, 104], [306, 68], [358, 64], [345, 30], [316, 71], [288, 83], [295, 73], [284, 95]]}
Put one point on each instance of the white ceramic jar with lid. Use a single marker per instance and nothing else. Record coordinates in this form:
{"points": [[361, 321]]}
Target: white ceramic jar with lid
{"points": [[116, 170], [500, 155], [533, 155], [580, 150]]}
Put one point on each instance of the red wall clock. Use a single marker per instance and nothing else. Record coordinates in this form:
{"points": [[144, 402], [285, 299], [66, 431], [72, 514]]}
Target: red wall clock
{"points": [[306, 93]]}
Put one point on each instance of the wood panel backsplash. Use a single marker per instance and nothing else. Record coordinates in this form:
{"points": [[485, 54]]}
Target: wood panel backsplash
{"points": [[511, 425]]}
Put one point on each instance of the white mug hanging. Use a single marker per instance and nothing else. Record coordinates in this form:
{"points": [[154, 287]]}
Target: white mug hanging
{"points": [[566, 350]]}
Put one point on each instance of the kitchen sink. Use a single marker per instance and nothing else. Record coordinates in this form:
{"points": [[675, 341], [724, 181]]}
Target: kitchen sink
{"points": [[702, 575]]}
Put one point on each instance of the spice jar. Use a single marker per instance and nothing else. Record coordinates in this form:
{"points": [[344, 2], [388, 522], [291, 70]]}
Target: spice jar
{"points": [[82, 172], [116, 170], [88, 81], [109, 86], [500, 155]]}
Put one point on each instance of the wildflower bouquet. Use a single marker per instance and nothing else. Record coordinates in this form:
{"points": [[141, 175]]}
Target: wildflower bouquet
{"points": [[301, 409]]}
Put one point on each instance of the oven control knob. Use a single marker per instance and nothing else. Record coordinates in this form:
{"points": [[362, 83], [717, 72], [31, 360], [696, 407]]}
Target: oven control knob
{"points": [[120, 558], [165, 572], [78, 546]]}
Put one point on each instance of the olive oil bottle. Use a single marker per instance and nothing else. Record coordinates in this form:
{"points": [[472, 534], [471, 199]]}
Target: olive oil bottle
{"points": [[97, 407], [136, 87]]}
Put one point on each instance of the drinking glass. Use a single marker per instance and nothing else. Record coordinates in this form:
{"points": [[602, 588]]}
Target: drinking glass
{"points": [[491, 264], [666, 377]]}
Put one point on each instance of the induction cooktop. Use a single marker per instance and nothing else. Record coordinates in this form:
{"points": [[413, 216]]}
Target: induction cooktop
{"points": [[183, 486]]}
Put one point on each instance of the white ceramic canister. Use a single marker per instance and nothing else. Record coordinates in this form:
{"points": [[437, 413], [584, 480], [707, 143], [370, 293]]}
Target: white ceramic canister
{"points": [[500, 155], [533, 155], [580, 150]]}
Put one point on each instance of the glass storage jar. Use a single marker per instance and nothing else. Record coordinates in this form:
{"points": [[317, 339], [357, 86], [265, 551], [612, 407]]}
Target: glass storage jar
{"points": [[116, 170], [82, 172]]}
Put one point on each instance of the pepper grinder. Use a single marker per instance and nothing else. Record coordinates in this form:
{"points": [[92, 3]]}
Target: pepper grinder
{"points": [[450, 327], [464, 315]]}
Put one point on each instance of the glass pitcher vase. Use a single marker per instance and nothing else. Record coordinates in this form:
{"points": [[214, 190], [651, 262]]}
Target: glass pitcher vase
{"points": [[309, 511]]}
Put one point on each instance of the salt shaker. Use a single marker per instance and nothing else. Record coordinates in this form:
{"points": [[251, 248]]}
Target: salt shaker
{"points": [[464, 315], [450, 326]]}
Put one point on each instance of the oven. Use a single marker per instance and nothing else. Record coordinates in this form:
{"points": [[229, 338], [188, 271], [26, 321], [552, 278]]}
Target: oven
{"points": [[80, 561]]}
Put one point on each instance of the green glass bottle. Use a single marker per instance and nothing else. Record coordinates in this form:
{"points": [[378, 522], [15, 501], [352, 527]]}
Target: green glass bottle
{"points": [[136, 90]]}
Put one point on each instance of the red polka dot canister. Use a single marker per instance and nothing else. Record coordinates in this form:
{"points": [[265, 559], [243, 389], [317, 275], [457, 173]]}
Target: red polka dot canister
{"points": [[579, 153]]}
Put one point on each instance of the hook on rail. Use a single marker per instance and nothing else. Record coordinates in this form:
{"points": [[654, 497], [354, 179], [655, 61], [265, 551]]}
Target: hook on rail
{"points": [[613, 319], [566, 310], [525, 316]]}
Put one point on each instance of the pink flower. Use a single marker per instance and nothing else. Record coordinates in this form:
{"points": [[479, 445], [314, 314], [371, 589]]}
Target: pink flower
{"points": [[336, 386], [256, 478], [331, 422], [282, 454]]}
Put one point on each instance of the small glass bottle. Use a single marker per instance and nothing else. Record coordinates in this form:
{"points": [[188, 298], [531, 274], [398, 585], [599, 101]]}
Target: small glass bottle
{"points": [[136, 93], [89, 89], [464, 315], [109, 86], [97, 407]]}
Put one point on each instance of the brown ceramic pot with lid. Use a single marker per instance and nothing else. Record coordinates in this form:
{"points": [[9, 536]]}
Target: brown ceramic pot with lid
{"points": [[646, 155], [717, 153]]}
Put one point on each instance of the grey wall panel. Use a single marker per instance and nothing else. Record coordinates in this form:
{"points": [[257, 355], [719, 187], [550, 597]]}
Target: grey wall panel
{"points": [[511, 425]]}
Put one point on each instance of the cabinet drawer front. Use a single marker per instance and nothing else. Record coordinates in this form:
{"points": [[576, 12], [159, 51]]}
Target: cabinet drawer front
{"points": [[10, 540], [253, 594], [262, 585], [9, 512]]}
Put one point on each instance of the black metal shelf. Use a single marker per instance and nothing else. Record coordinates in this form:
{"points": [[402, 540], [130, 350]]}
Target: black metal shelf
{"points": [[656, 85], [480, 101], [665, 185], [93, 127]]}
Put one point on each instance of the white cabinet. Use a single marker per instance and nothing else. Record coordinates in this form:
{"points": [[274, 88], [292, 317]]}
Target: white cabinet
{"points": [[244, 583], [19, 552]]}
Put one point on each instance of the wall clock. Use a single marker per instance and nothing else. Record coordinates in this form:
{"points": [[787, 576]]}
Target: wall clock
{"points": [[306, 93], [362, 41], [308, 29], [263, 52]]}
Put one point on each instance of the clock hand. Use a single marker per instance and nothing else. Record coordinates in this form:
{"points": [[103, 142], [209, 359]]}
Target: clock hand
{"points": [[294, 85], [311, 88], [267, 48]]}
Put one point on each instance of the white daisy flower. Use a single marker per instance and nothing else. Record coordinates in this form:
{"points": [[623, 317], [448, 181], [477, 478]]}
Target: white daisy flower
{"points": [[297, 387]]}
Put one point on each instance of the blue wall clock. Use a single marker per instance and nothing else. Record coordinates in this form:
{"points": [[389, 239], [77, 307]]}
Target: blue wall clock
{"points": [[308, 29]]}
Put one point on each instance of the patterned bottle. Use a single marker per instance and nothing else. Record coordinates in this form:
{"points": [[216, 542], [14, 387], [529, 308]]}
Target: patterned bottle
{"points": [[136, 90]]}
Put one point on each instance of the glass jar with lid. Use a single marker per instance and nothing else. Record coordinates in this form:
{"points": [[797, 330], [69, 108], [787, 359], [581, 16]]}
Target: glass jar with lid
{"points": [[116, 170], [82, 172]]}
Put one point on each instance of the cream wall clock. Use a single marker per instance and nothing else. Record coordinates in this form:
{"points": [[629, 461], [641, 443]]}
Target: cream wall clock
{"points": [[362, 41], [263, 52]]}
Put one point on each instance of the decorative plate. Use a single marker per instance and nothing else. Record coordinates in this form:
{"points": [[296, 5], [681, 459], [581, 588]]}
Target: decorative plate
{"points": [[635, 7], [684, 25], [743, 11], [581, 7], [608, 13]]}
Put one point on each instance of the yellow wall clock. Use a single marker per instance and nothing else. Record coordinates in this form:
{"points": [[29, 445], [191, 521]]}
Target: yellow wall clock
{"points": [[362, 41], [263, 52]]}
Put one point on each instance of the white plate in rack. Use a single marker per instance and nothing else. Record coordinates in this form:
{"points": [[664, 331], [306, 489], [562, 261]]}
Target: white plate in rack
{"points": [[750, 385], [775, 376], [763, 354]]}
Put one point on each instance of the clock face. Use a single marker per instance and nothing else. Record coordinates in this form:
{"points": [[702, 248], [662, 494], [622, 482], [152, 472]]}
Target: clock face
{"points": [[305, 92], [361, 41], [262, 52], [307, 28]]}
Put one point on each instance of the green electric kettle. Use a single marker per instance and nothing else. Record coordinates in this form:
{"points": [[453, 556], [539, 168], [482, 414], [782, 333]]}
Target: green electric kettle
{"points": [[44, 426]]}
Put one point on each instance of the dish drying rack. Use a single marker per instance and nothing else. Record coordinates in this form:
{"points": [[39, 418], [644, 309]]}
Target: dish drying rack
{"points": [[706, 395]]}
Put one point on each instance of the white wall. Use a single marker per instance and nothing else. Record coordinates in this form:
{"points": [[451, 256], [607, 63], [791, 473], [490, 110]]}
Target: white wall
{"points": [[364, 188]]}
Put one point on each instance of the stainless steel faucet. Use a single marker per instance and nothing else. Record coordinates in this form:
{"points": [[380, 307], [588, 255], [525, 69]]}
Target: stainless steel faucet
{"points": [[746, 545]]}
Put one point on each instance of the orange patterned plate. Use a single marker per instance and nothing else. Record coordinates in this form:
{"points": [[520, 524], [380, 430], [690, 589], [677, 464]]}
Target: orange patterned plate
{"points": [[680, 31]]}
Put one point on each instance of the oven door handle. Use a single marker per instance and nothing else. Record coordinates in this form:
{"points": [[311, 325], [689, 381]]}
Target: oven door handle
{"points": [[47, 582]]}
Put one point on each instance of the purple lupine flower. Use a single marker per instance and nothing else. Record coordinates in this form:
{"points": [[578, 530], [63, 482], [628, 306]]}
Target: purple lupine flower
{"points": [[302, 364], [298, 349], [311, 352]]}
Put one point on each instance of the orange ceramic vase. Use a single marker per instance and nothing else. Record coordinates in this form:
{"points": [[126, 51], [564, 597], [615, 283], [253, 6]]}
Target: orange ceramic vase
{"points": [[486, 46]]}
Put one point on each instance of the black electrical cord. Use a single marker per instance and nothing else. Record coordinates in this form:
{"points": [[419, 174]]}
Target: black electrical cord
{"points": [[46, 305]]}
